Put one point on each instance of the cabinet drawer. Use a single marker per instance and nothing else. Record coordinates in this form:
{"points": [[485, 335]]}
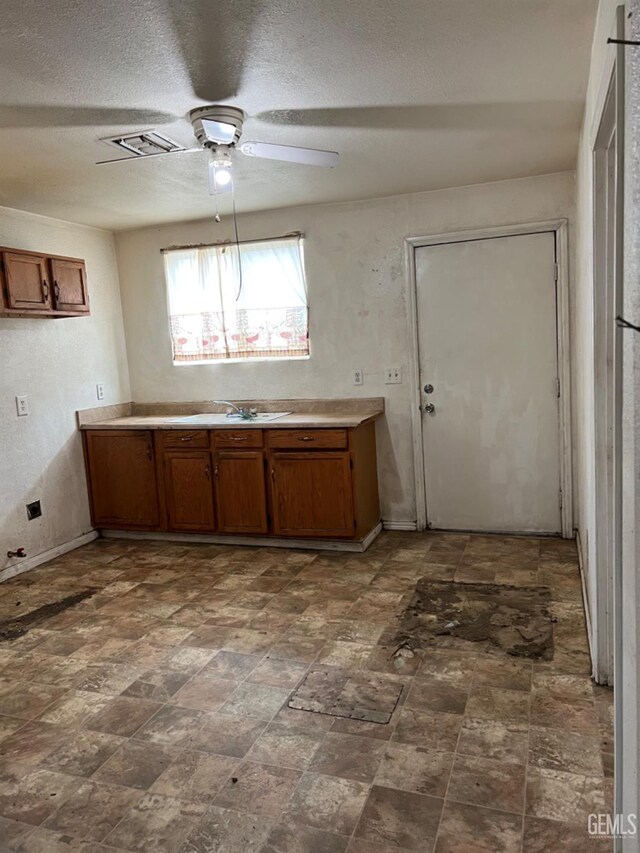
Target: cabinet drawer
{"points": [[186, 438], [237, 438], [331, 439]]}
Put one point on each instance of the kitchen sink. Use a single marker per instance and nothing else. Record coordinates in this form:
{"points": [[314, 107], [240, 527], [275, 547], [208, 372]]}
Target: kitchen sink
{"points": [[235, 419]]}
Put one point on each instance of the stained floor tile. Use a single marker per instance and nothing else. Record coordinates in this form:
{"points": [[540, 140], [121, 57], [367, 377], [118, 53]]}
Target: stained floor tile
{"points": [[399, 818], [227, 831], [260, 789], [156, 823], [481, 830], [93, 810], [195, 776], [414, 768], [328, 803]]}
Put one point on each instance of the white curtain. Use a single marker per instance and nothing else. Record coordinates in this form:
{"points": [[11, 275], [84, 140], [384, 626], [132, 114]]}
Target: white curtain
{"points": [[226, 303]]}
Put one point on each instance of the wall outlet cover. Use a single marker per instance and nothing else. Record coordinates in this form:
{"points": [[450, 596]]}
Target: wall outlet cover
{"points": [[100, 390], [358, 376], [22, 406], [392, 375], [34, 510]]}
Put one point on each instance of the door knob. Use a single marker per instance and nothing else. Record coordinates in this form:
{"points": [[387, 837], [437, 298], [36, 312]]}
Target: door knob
{"points": [[428, 389], [429, 408]]}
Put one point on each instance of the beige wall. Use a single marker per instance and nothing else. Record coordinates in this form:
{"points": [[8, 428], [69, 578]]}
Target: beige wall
{"points": [[357, 293], [57, 363]]}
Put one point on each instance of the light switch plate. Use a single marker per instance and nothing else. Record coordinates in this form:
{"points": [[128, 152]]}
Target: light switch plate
{"points": [[100, 391], [392, 375], [358, 376], [22, 406]]}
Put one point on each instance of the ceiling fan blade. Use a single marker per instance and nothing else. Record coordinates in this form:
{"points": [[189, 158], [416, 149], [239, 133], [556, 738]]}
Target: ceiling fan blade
{"points": [[147, 156], [40, 115], [290, 153]]}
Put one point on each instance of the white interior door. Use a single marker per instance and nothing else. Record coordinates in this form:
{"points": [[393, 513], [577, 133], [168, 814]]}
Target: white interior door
{"points": [[488, 345]]}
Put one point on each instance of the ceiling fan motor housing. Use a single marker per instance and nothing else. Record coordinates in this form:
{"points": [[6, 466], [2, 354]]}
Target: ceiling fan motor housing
{"points": [[217, 125]]}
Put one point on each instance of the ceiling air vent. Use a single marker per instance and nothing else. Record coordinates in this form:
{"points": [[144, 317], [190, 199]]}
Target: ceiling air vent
{"points": [[144, 144]]}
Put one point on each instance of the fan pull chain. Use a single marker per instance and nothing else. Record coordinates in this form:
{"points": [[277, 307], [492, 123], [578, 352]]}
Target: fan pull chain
{"points": [[235, 226]]}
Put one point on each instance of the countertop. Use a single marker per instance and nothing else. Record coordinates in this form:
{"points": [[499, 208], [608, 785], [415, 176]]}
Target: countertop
{"points": [[295, 420]]}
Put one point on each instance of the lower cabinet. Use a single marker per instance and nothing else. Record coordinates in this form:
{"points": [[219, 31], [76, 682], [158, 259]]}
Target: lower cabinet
{"points": [[188, 490], [241, 497], [122, 479], [198, 481], [311, 494]]}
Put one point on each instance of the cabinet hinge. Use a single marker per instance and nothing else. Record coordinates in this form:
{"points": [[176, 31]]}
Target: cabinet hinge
{"points": [[555, 272], [351, 463]]}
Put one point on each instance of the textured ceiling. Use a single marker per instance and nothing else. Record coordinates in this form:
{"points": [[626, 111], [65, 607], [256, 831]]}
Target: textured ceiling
{"points": [[414, 94]]}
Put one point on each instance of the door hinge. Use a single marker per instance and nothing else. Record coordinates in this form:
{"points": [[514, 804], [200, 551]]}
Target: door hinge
{"points": [[558, 388], [555, 272], [560, 498]]}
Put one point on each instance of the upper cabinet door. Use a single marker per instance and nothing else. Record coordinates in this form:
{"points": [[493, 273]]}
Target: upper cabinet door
{"points": [[69, 280], [27, 286]]}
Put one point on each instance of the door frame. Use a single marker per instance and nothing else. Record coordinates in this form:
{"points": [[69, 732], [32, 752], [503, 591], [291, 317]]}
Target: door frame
{"points": [[560, 230]]}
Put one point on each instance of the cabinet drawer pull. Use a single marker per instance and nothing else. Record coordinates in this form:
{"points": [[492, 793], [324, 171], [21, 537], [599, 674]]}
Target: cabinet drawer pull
{"points": [[149, 452], [207, 472], [186, 438], [45, 289], [215, 472], [237, 437], [56, 289], [305, 438], [273, 474]]}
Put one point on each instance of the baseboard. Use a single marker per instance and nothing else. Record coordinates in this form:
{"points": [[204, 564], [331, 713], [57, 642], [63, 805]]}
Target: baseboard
{"points": [[31, 562], [399, 525], [585, 601], [267, 541]]}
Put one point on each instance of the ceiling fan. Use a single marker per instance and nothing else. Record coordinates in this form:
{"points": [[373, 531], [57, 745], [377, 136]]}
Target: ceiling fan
{"points": [[218, 129]]}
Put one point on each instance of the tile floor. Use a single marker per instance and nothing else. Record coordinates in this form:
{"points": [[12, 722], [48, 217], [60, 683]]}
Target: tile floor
{"points": [[153, 716]]}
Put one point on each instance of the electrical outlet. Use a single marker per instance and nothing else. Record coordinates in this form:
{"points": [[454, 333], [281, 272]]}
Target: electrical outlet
{"points": [[358, 376], [100, 391], [22, 406], [392, 375], [34, 510]]}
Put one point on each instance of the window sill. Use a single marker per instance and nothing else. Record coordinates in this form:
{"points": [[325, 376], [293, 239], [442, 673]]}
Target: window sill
{"points": [[210, 361]]}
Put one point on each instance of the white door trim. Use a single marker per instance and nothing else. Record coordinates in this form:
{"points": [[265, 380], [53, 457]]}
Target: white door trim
{"points": [[560, 229]]}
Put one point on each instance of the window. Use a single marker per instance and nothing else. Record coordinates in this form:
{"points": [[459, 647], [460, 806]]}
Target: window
{"points": [[216, 314]]}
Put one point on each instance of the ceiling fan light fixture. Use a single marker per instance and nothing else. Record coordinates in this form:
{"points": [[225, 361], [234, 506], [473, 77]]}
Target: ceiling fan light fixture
{"points": [[220, 176]]}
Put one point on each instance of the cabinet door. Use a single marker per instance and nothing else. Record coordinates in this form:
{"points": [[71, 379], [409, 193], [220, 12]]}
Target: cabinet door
{"points": [[69, 285], [241, 496], [122, 476], [311, 494], [189, 490], [26, 281]]}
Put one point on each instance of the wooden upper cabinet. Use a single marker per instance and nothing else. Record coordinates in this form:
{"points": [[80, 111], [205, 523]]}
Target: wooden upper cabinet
{"points": [[311, 494], [69, 282], [122, 478], [26, 282], [188, 489], [241, 499], [42, 285]]}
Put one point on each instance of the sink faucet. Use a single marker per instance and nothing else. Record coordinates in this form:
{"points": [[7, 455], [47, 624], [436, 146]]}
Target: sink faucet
{"points": [[247, 414]]}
